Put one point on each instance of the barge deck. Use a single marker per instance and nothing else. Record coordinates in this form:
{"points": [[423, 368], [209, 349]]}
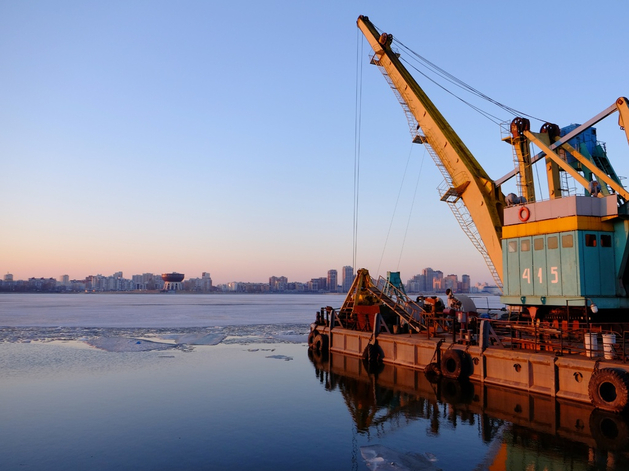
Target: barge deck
{"points": [[559, 359]]}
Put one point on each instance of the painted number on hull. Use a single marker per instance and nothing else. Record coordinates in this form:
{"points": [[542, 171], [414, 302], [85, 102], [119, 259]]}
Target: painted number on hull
{"points": [[554, 271]]}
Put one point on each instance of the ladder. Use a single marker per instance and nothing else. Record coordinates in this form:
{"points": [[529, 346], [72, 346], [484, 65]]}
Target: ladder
{"points": [[448, 193], [397, 300]]}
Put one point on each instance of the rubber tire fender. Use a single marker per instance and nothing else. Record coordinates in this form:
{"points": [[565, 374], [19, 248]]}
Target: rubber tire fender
{"points": [[320, 343], [455, 364], [311, 337], [609, 389], [373, 359]]}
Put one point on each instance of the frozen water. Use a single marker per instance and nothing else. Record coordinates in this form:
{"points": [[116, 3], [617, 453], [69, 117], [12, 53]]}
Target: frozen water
{"points": [[159, 310], [201, 338], [131, 323], [122, 344], [382, 458], [280, 357], [144, 339]]}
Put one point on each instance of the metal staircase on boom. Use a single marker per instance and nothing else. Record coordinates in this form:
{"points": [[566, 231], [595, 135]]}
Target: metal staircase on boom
{"points": [[447, 192]]}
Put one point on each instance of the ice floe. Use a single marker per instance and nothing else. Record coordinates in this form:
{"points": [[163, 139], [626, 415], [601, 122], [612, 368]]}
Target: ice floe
{"points": [[382, 458], [127, 339], [280, 357], [122, 344]]}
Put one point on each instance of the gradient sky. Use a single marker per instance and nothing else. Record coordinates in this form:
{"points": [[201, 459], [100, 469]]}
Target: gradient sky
{"points": [[191, 136]]}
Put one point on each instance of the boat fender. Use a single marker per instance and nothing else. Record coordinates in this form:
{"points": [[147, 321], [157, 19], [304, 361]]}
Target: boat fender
{"points": [[311, 337], [610, 430], [609, 389], [320, 343], [455, 364], [524, 214]]}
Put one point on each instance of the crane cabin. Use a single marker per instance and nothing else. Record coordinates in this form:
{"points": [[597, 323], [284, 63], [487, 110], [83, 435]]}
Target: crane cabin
{"points": [[567, 254]]}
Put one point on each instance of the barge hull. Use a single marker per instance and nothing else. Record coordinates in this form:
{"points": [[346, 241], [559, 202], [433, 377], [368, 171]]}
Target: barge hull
{"points": [[536, 372]]}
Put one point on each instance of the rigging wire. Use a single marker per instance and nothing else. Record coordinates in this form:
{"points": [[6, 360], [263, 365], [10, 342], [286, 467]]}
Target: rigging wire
{"points": [[539, 182], [434, 69], [397, 200], [489, 116], [461, 84], [410, 213], [357, 129]]}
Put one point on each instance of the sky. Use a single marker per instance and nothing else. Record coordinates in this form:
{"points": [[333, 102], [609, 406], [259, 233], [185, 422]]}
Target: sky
{"points": [[223, 137]]}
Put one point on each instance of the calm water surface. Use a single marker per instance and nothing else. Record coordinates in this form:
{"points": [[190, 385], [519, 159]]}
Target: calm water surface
{"points": [[255, 399]]}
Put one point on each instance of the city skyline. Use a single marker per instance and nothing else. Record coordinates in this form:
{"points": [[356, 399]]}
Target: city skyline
{"points": [[140, 139], [428, 280]]}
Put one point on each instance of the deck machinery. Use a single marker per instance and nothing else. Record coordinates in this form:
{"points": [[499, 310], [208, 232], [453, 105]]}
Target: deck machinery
{"points": [[566, 256]]}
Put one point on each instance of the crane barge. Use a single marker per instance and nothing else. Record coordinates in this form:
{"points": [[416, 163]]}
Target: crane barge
{"points": [[562, 262]]}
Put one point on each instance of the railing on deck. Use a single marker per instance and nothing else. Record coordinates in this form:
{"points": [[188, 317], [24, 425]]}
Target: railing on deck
{"points": [[601, 342]]}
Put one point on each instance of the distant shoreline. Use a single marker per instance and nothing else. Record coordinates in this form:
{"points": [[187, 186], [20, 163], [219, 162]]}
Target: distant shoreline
{"points": [[220, 293], [179, 293]]}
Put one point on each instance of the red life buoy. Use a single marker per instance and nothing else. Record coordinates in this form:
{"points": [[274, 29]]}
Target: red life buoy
{"points": [[524, 214]]}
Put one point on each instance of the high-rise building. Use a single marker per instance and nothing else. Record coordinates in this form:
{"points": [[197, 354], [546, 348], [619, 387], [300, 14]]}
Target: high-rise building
{"points": [[429, 277], [206, 282], [138, 282], [465, 283], [452, 282], [278, 283], [313, 284], [417, 284], [332, 281], [437, 281], [348, 278]]}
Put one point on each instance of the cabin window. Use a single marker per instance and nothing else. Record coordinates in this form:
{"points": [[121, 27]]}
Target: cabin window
{"points": [[538, 244], [590, 240], [606, 240], [566, 241], [552, 242], [525, 246], [513, 246]]}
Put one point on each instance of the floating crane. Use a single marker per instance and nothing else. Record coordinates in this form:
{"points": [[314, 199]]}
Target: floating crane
{"points": [[567, 254], [475, 200]]}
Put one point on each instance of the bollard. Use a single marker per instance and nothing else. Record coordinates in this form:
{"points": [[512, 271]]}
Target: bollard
{"points": [[483, 340]]}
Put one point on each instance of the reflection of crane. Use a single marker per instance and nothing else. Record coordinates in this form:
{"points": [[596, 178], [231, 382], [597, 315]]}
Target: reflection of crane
{"points": [[548, 256]]}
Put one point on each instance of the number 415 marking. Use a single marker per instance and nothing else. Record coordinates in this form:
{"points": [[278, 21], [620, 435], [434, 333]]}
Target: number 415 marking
{"points": [[554, 271]]}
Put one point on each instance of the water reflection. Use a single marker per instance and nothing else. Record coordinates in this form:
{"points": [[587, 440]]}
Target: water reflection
{"points": [[523, 431]]}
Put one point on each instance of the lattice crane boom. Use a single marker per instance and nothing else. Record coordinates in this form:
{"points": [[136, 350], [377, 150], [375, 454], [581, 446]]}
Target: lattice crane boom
{"points": [[467, 180]]}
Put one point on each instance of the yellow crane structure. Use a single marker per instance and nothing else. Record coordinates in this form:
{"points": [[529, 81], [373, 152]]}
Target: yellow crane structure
{"points": [[474, 198], [562, 262]]}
